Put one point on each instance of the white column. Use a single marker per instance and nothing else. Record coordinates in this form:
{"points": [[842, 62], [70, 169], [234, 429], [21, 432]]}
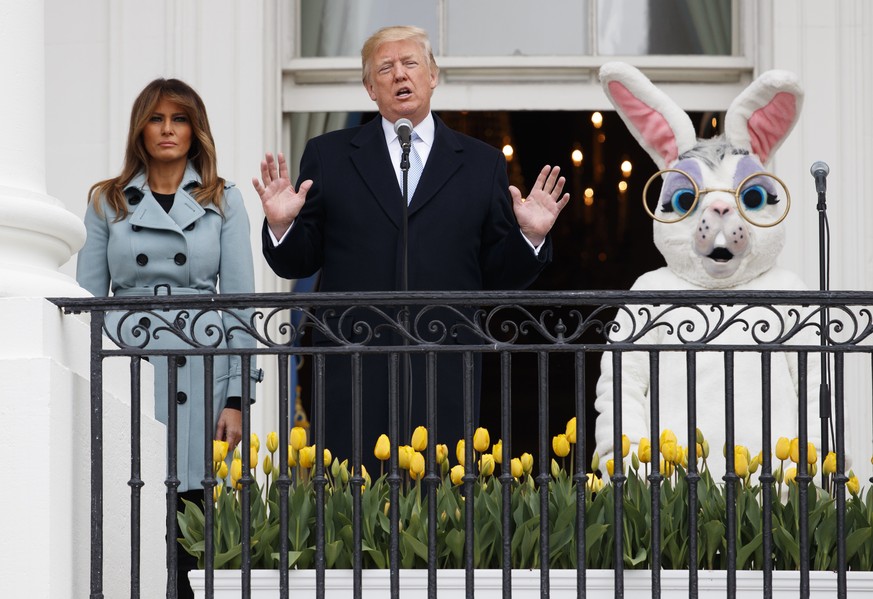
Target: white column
{"points": [[37, 234]]}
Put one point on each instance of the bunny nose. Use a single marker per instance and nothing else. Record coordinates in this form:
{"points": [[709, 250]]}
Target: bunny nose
{"points": [[721, 208]]}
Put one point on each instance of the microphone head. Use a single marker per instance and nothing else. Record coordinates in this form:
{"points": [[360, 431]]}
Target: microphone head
{"points": [[819, 168], [403, 127]]}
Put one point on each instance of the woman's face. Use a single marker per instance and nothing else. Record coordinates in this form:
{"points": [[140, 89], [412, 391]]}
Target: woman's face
{"points": [[167, 134]]}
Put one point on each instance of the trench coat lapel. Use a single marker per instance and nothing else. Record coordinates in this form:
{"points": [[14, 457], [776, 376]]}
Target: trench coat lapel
{"points": [[373, 164], [446, 157]]}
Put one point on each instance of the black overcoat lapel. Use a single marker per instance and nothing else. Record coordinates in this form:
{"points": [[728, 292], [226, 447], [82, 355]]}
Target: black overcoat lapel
{"points": [[373, 164]]}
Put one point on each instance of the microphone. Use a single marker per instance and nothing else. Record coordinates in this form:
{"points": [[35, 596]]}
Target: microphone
{"points": [[820, 171], [403, 129]]}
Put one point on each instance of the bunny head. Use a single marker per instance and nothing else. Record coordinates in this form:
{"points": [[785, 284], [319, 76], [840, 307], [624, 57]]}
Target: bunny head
{"points": [[717, 219]]}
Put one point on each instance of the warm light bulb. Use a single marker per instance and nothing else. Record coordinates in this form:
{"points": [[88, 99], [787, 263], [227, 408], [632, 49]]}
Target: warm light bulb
{"points": [[622, 186], [714, 123], [597, 120], [576, 157], [626, 168], [588, 201], [508, 151]]}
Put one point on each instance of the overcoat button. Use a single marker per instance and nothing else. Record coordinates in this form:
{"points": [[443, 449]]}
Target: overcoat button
{"points": [[190, 227], [142, 259], [181, 397], [144, 322], [134, 201], [136, 228], [181, 361], [180, 259]]}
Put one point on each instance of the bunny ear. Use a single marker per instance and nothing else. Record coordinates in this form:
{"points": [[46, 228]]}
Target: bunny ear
{"points": [[761, 117], [662, 128]]}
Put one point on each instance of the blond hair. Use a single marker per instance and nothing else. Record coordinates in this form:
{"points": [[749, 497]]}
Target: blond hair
{"points": [[396, 33], [202, 153]]}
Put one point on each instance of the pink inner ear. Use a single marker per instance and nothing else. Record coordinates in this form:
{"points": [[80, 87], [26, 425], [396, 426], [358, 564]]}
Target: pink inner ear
{"points": [[770, 124], [649, 122]]}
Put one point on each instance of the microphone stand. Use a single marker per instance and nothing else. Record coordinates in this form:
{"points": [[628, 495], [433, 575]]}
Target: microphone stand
{"points": [[824, 395], [406, 366]]}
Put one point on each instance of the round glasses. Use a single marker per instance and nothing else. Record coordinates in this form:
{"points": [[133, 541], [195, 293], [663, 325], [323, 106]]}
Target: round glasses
{"points": [[671, 195]]}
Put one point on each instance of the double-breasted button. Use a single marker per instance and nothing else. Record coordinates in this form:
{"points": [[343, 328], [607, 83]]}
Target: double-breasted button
{"points": [[181, 397], [190, 227], [136, 228], [135, 200], [142, 259], [181, 361], [180, 259], [145, 322]]}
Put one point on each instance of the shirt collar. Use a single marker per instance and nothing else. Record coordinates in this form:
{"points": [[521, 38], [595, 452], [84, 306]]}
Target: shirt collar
{"points": [[425, 129]]}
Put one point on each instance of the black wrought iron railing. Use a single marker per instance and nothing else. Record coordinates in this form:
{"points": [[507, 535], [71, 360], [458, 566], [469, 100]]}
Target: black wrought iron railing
{"points": [[508, 325]]}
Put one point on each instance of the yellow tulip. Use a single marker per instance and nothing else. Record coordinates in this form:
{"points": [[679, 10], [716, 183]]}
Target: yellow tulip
{"points": [[268, 465], [595, 483], [327, 457], [516, 468], [255, 442], [571, 430], [419, 438], [783, 448], [460, 452], [486, 464], [272, 441], [481, 440], [610, 467], [457, 474], [705, 449], [853, 485], [235, 470], [404, 455], [595, 462], [794, 452], [298, 438], [756, 462], [699, 436], [813, 469], [556, 470], [560, 445], [830, 463], [526, 463], [644, 451], [683, 456], [306, 456], [625, 446], [811, 454], [791, 475], [382, 451], [292, 457], [442, 452], [416, 465], [741, 465], [222, 471], [216, 493], [668, 436], [253, 457], [497, 451], [670, 451], [667, 468], [219, 450]]}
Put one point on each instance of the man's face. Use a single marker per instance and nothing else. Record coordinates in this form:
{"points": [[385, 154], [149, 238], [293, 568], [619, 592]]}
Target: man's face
{"points": [[401, 81]]}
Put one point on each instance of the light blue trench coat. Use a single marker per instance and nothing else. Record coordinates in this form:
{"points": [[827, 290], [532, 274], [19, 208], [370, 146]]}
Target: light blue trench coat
{"points": [[193, 250]]}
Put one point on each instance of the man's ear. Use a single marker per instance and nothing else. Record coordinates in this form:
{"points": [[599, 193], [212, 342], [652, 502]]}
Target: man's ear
{"points": [[369, 87]]}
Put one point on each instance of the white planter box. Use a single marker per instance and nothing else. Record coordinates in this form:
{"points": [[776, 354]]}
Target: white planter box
{"points": [[526, 584]]}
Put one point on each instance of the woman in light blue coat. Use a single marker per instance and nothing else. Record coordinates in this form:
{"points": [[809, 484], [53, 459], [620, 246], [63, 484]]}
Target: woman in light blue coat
{"points": [[169, 224]]}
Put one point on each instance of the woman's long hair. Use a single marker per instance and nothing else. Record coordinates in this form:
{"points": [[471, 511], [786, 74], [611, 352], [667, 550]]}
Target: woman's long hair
{"points": [[136, 158]]}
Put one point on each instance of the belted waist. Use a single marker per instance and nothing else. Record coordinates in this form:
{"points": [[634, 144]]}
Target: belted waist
{"points": [[160, 290]]}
